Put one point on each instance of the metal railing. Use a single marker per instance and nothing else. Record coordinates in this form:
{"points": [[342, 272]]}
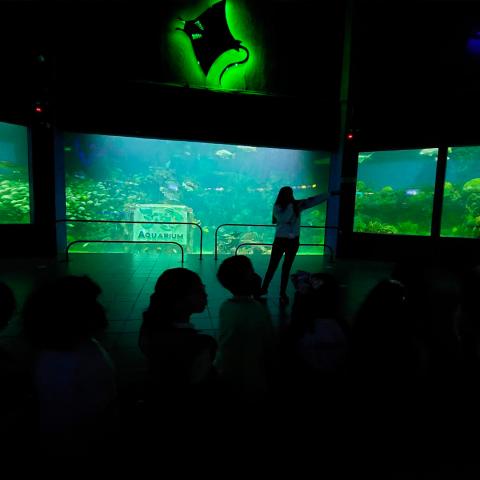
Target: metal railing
{"points": [[300, 245], [263, 225], [66, 220], [120, 241]]}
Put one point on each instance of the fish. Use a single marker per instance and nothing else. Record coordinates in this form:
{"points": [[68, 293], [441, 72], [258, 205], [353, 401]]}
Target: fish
{"points": [[189, 186], [226, 154], [169, 194], [172, 186], [412, 191], [246, 148], [211, 37], [364, 156], [433, 152], [430, 152]]}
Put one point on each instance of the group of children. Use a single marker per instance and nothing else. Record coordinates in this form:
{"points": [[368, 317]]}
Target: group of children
{"points": [[72, 377]]}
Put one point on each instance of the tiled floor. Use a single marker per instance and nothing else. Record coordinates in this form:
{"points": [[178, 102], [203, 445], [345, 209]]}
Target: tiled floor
{"points": [[128, 280]]}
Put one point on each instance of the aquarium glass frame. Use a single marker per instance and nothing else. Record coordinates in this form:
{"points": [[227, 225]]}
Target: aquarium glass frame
{"points": [[323, 152], [436, 198], [465, 201], [29, 175]]}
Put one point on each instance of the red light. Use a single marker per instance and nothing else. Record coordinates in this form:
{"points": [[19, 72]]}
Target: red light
{"points": [[350, 136], [38, 109]]}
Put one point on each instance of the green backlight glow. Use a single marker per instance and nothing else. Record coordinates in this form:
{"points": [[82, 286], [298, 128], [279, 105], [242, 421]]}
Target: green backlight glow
{"points": [[248, 76], [14, 175]]}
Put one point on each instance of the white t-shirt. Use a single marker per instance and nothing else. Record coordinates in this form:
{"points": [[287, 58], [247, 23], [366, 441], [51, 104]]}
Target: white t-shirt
{"points": [[288, 224]]}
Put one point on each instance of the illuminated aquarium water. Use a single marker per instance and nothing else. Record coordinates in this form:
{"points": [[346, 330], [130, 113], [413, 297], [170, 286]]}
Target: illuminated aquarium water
{"points": [[14, 177], [394, 193], [151, 180], [461, 194]]}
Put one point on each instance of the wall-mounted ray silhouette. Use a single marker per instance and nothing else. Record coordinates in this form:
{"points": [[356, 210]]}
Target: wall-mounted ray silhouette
{"points": [[211, 37]]}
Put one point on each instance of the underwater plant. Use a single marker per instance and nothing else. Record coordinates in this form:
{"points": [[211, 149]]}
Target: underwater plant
{"points": [[14, 201], [410, 228], [472, 186], [375, 226]]}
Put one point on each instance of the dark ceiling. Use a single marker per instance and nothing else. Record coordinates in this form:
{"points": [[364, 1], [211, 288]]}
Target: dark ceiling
{"points": [[412, 77]]}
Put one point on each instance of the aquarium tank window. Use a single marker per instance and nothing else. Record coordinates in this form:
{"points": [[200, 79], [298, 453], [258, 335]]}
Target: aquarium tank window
{"points": [[394, 191], [151, 180], [461, 193], [14, 174]]}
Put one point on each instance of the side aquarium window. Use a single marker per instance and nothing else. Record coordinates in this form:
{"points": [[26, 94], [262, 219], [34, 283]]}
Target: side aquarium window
{"points": [[14, 174], [394, 192], [461, 193], [145, 180]]}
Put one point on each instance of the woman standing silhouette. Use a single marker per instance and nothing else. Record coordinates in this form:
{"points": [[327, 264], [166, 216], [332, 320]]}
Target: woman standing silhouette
{"points": [[286, 216]]}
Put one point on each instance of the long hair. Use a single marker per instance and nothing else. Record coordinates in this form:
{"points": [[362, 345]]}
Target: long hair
{"points": [[285, 197], [172, 286]]}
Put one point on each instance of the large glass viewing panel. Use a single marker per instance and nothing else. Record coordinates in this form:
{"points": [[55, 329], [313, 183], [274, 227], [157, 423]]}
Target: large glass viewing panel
{"points": [[394, 192], [128, 178], [461, 193], [14, 175]]}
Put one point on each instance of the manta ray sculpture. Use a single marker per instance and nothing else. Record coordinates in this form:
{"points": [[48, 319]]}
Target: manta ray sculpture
{"points": [[210, 37]]}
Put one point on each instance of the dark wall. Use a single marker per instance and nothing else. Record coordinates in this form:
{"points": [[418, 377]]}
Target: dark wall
{"points": [[99, 65], [444, 251], [190, 114], [414, 80]]}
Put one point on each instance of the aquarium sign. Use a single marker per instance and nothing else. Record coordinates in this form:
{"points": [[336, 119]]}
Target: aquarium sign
{"points": [[159, 232]]}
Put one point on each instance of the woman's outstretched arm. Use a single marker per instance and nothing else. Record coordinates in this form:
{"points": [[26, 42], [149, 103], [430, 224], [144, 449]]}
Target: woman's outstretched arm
{"points": [[312, 201]]}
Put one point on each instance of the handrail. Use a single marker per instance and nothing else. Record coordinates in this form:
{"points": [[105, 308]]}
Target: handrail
{"points": [[260, 225], [300, 245], [131, 221], [120, 241]]}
